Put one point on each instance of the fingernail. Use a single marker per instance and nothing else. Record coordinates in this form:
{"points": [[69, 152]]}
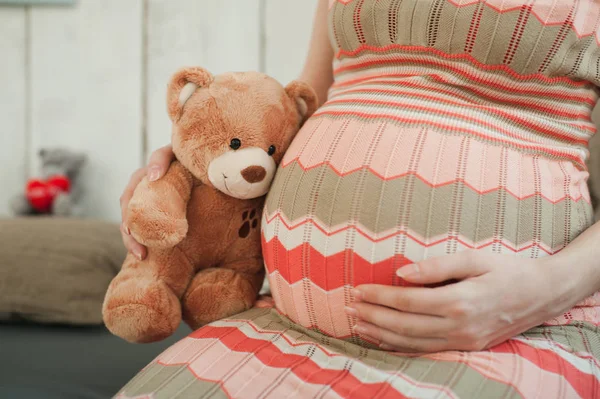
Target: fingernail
{"points": [[359, 329], [357, 294], [351, 311], [154, 173], [408, 271], [385, 347]]}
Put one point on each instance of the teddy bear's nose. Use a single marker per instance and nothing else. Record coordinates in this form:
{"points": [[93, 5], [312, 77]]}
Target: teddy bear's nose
{"points": [[254, 174]]}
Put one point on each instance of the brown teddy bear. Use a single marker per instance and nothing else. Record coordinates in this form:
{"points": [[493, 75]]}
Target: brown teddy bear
{"points": [[200, 222]]}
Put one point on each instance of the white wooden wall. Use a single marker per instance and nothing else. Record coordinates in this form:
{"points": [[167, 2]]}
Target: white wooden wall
{"points": [[13, 103], [93, 77]]}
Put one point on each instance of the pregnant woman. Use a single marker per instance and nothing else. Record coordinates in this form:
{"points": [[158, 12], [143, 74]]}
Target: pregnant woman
{"points": [[429, 232]]}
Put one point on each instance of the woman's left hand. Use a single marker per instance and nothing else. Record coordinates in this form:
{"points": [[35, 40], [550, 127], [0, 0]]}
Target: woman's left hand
{"points": [[496, 297]]}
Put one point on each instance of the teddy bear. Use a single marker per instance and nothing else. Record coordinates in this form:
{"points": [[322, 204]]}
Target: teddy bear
{"points": [[201, 220], [57, 190]]}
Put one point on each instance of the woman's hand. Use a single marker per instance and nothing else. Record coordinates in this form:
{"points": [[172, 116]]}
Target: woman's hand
{"points": [[157, 167], [496, 298]]}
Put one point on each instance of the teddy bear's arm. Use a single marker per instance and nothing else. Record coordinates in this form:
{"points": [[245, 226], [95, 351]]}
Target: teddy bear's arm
{"points": [[156, 215]]}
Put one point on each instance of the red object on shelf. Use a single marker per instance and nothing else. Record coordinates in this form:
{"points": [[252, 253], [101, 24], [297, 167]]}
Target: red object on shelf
{"points": [[41, 193]]}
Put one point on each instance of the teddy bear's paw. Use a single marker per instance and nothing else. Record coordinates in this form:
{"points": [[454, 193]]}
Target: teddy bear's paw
{"points": [[155, 228], [215, 294], [139, 324], [150, 314], [250, 221]]}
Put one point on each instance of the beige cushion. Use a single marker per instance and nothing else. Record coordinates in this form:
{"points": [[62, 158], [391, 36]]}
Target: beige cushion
{"points": [[57, 270]]}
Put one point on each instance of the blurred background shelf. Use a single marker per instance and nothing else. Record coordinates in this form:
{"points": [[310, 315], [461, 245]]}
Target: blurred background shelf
{"points": [[93, 77]]}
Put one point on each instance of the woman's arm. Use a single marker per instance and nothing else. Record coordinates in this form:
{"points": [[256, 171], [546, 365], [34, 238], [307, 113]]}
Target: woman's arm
{"points": [[318, 67], [496, 298]]}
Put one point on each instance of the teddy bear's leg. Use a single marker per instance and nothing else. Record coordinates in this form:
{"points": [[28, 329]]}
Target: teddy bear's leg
{"points": [[217, 293], [21, 206], [143, 301]]}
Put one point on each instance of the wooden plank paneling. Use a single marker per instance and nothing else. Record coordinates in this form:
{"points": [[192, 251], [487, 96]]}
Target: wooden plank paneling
{"points": [[12, 104], [288, 27], [86, 85], [221, 36]]}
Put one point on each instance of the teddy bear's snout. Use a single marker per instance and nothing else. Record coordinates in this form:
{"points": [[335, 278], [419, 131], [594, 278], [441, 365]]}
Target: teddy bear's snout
{"points": [[243, 173], [254, 174]]}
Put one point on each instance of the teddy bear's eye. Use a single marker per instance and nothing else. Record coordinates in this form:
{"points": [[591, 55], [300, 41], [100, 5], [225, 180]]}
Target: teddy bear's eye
{"points": [[235, 144], [271, 150]]}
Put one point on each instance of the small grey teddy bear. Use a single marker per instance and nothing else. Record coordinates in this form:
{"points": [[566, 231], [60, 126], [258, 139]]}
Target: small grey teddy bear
{"points": [[56, 162]]}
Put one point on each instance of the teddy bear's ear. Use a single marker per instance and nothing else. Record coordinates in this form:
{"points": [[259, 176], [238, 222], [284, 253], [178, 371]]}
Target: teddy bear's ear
{"points": [[181, 87], [305, 98]]}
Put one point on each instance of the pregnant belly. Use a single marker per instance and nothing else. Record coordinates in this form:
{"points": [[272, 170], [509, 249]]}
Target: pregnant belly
{"points": [[355, 200]]}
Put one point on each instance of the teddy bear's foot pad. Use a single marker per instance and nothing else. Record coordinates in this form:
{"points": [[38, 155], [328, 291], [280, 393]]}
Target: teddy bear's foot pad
{"points": [[153, 315]]}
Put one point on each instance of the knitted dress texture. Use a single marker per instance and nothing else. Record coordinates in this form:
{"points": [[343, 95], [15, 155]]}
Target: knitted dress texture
{"points": [[452, 125]]}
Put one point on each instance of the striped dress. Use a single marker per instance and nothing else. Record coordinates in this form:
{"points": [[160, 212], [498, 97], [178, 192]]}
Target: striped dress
{"points": [[451, 125]]}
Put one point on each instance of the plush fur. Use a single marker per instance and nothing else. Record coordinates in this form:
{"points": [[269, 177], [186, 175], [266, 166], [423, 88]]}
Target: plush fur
{"points": [[201, 221]]}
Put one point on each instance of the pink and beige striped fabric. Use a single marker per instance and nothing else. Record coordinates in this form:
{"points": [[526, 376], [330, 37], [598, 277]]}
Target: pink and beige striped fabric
{"points": [[451, 125], [260, 354], [445, 130]]}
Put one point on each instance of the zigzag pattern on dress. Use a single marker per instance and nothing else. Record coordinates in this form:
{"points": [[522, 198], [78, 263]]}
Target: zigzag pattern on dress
{"points": [[294, 363]]}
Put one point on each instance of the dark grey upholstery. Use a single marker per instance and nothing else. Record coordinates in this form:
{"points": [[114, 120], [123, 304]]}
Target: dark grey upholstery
{"points": [[60, 362]]}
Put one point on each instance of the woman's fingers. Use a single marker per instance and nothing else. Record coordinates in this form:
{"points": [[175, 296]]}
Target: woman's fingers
{"points": [[134, 247], [459, 266], [159, 162], [405, 324], [135, 179], [430, 301], [137, 249], [389, 340]]}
